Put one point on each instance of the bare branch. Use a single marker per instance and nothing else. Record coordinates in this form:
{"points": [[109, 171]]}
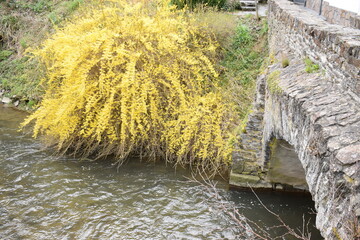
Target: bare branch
{"points": [[250, 229]]}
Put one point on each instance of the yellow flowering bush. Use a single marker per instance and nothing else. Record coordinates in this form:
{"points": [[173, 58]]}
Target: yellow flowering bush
{"points": [[134, 78]]}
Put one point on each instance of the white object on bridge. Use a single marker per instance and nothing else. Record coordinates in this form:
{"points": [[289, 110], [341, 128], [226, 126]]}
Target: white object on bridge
{"points": [[248, 5], [348, 5]]}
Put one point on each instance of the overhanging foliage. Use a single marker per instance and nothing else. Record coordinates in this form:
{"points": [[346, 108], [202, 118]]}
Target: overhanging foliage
{"points": [[134, 78]]}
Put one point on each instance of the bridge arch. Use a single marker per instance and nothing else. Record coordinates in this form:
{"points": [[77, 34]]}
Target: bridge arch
{"points": [[317, 113], [303, 114], [322, 125], [284, 169]]}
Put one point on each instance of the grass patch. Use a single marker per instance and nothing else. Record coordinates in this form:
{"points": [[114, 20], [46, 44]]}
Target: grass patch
{"points": [[5, 54], [273, 82], [242, 62], [25, 24], [310, 66], [21, 77], [220, 23]]}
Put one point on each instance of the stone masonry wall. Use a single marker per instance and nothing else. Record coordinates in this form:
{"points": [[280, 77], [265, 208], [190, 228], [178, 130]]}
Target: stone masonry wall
{"points": [[335, 15], [323, 125], [247, 159], [335, 48], [313, 4]]}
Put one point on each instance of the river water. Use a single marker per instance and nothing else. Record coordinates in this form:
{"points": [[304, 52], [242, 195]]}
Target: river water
{"points": [[47, 197]]}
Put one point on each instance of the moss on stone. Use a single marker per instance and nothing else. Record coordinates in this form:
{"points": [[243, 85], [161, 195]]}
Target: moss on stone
{"points": [[273, 80]]}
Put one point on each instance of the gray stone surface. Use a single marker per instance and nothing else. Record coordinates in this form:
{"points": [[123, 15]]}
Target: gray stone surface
{"points": [[349, 154], [246, 181], [6, 100], [249, 148], [285, 167], [317, 113], [326, 136]]}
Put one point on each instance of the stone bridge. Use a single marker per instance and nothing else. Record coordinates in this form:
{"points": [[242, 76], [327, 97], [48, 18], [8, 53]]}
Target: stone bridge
{"points": [[313, 107]]}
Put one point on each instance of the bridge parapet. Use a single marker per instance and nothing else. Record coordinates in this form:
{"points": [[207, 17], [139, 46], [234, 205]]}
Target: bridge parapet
{"points": [[335, 48]]}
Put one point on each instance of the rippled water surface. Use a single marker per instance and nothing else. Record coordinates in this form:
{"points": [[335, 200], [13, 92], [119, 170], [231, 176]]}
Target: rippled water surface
{"points": [[44, 197]]}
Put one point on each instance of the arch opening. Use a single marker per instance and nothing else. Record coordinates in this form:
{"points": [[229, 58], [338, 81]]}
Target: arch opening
{"points": [[285, 170]]}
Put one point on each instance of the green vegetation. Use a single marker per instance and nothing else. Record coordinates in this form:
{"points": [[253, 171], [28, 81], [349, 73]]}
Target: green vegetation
{"points": [[243, 60], [231, 5], [5, 54], [273, 82], [310, 67], [21, 76], [285, 62], [24, 24]]}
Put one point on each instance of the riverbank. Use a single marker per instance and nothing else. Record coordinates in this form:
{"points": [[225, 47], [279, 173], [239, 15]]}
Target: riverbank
{"points": [[24, 25]]}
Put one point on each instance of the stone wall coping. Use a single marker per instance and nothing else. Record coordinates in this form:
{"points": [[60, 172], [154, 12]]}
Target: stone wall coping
{"points": [[290, 7], [306, 16], [307, 19]]}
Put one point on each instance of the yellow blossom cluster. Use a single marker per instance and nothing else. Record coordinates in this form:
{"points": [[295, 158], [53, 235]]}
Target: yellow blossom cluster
{"points": [[134, 78]]}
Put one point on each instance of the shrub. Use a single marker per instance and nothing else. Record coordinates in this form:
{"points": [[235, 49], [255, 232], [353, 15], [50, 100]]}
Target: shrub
{"points": [[134, 79], [231, 5]]}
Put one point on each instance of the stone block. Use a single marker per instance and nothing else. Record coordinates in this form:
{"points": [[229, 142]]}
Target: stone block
{"points": [[6, 100], [242, 180], [349, 154]]}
